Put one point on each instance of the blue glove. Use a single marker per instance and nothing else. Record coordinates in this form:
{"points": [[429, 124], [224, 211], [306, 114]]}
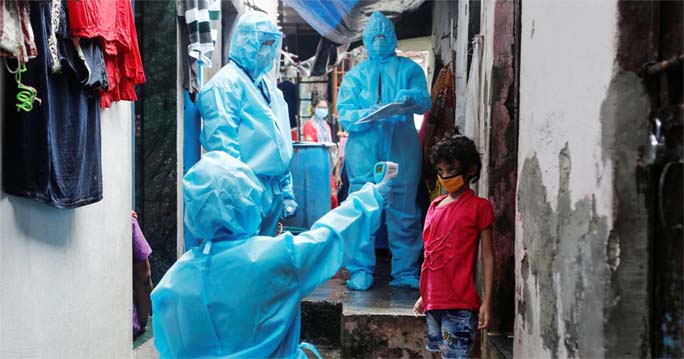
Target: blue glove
{"points": [[384, 188], [289, 208], [405, 99]]}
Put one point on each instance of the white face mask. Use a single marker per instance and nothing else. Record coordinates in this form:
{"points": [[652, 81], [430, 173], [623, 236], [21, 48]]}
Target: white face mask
{"points": [[381, 46], [321, 113], [264, 60]]}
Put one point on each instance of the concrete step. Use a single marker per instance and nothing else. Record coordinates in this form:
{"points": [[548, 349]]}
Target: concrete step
{"points": [[383, 335], [498, 346], [378, 323]]}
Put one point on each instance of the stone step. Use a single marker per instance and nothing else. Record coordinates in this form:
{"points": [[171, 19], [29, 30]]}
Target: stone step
{"points": [[378, 323], [498, 346], [383, 335], [322, 322]]}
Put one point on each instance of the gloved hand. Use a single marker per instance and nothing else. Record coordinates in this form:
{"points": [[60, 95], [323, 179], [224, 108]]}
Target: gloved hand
{"points": [[405, 98], [384, 188], [289, 208]]}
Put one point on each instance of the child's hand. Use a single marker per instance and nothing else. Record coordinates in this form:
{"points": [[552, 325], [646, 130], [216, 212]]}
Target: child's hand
{"points": [[418, 307], [484, 320]]}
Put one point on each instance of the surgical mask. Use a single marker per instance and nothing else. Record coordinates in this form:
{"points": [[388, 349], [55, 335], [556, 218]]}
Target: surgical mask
{"points": [[264, 60], [452, 184], [321, 113], [381, 46]]}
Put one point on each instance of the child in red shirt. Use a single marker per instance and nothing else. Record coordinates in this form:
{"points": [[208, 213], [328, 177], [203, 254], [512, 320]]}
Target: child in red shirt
{"points": [[454, 225]]}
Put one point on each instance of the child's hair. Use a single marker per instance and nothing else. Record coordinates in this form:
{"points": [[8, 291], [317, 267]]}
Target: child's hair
{"points": [[457, 147]]}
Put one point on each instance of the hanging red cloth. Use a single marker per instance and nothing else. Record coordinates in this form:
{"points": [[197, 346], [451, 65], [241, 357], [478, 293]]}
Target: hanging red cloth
{"points": [[439, 121], [112, 22]]}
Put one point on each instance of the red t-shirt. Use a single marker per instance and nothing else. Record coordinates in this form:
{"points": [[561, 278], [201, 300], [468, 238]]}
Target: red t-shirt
{"points": [[450, 239]]}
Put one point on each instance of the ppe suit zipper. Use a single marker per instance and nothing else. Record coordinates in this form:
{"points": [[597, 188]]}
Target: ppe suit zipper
{"points": [[380, 89]]}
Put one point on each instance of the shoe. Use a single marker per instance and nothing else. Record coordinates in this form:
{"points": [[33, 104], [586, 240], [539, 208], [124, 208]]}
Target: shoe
{"points": [[360, 280], [405, 282]]}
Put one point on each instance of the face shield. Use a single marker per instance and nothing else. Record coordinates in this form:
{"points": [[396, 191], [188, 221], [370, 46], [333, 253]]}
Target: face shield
{"points": [[255, 44], [266, 56]]}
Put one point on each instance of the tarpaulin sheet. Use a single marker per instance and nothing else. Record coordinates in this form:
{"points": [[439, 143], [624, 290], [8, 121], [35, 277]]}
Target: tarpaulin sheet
{"points": [[342, 21]]}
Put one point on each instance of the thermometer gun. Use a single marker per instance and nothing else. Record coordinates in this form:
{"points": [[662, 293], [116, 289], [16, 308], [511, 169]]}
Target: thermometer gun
{"points": [[385, 171]]}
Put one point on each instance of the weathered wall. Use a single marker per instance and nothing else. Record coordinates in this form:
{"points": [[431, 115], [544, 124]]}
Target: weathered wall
{"points": [[65, 275], [648, 32], [502, 154], [581, 217]]}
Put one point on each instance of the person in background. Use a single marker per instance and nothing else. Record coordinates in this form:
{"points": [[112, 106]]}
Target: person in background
{"points": [[142, 279], [456, 225], [341, 179], [245, 115], [238, 295], [317, 129], [382, 79]]}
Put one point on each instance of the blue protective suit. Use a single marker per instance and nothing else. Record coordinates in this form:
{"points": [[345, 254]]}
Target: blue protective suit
{"points": [[238, 294], [246, 116], [381, 79]]}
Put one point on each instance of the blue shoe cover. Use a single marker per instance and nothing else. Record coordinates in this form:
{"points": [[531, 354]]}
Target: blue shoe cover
{"points": [[405, 282], [360, 280]]}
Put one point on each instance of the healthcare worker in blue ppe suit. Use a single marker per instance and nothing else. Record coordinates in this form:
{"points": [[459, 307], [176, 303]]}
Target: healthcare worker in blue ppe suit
{"points": [[382, 79], [245, 114], [237, 294]]}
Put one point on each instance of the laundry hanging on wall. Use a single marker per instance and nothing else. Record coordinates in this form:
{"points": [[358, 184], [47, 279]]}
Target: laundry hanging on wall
{"points": [[52, 153], [439, 121], [113, 24], [16, 34], [198, 23]]}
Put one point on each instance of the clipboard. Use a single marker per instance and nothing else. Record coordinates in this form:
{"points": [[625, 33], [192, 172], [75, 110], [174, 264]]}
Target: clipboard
{"points": [[385, 112]]}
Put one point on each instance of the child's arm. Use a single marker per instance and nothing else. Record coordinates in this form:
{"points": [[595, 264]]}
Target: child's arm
{"points": [[419, 307], [485, 318]]}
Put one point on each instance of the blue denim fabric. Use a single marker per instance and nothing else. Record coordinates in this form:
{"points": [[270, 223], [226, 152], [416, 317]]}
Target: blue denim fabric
{"points": [[451, 332], [52, 154]]}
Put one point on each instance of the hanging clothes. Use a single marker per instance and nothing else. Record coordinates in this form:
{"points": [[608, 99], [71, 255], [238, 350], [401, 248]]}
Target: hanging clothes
{"points": [[112, 22], [52, 153], [16, 34], [290, 93], [439, 121], [198, 24]]}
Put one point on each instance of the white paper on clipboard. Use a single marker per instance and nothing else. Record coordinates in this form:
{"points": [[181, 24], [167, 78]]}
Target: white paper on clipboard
{"points": [[386, 111]]}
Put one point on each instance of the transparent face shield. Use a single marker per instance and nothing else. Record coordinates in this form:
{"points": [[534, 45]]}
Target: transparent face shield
{"points": [[268, 53]]}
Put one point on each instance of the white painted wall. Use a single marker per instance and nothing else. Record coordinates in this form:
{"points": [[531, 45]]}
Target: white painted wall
{"points": [[568, 51], [482, 127], [65, 275]]}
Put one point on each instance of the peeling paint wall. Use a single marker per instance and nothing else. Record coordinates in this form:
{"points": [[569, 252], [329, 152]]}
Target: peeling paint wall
{"points": [[502, 156], [580, 217]]}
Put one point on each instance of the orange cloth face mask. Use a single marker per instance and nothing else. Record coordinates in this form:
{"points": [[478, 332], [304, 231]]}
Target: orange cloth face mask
{"points": [[452, 184]]}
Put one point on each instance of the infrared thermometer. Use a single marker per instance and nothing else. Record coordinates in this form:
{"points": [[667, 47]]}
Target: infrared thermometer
{"points": [[385, 171]]}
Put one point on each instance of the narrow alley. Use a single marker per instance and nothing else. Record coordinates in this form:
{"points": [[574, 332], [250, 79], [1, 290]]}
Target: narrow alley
{"points": [[342, 179]]}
